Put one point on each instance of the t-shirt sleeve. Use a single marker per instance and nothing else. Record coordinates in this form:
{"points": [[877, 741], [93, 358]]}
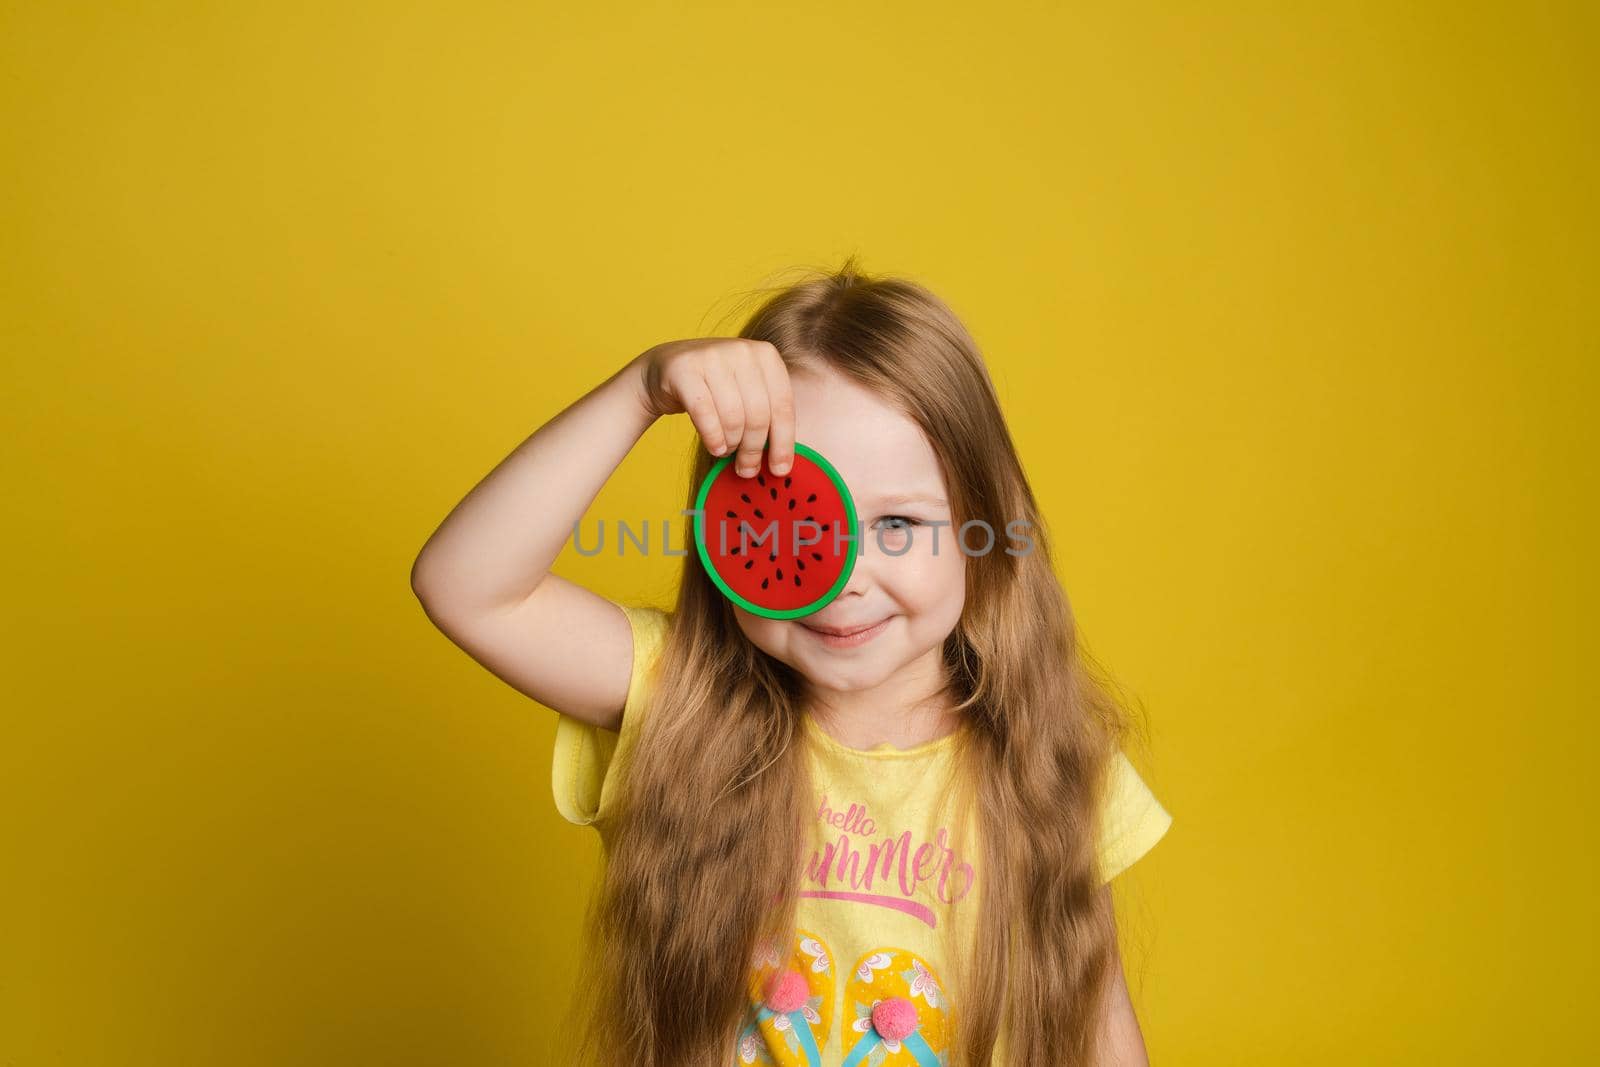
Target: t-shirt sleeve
{"points": [[1132, 820], [586, 760]]}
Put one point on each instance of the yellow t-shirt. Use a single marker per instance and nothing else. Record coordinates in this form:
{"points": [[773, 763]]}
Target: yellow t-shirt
{"points": [[876, 893]]}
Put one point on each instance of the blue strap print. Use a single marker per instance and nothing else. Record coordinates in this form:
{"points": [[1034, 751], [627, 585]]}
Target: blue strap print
{"points": [[802, 1030], [914, 1043]]}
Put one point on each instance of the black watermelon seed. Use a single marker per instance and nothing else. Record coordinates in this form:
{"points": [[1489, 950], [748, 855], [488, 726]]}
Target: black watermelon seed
{"points": [[745, 497], [763, 583], [786, 482], [797, 581], [760, 479], [811, 498], [780, 574], [759, 515], [791, 505], [749, 563], [800, 563], [817, 556], [774, 493]]}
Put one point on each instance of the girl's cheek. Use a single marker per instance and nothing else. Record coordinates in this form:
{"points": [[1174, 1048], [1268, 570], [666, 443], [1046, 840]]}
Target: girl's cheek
{"points": [[922, 560], [896, 544]]}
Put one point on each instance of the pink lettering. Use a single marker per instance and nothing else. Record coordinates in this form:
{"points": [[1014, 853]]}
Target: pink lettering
{"points": [[897, 860], [853, 821]]}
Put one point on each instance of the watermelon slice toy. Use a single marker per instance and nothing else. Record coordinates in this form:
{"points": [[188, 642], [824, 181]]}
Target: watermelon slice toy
{"points": [[777, 546]]}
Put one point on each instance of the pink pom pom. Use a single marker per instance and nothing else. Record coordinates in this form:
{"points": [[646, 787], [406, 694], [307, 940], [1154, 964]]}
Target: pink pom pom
{"points": [[894, 1018], [786, 991]]}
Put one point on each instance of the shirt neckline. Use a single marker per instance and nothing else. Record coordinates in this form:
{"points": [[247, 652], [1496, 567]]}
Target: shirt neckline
{"points": [[883, 749]]}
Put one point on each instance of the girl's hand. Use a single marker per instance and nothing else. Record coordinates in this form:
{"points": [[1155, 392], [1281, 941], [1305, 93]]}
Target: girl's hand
{"points": [[735, 390]]}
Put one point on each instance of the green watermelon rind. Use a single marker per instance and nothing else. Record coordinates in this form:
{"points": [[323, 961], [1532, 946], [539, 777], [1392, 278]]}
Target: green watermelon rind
{"points": [[852, 552]]}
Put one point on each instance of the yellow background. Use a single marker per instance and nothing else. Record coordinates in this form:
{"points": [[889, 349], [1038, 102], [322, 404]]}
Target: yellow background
{"points": [[1292, 308]]}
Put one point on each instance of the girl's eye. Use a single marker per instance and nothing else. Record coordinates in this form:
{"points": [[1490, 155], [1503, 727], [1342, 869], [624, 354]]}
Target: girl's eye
{"points": [[901, 518]]}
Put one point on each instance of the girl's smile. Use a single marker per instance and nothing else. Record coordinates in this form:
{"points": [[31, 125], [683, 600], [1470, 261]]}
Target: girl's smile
{"points": [[847, 636]]}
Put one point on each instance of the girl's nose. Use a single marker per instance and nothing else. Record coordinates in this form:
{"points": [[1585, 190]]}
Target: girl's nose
{"points": [[861, 574]]}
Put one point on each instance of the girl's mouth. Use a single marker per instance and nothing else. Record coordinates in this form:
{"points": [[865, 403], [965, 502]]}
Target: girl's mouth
{"points": [[851, 637]]}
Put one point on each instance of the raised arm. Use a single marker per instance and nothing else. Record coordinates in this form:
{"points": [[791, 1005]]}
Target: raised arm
{"points": [[484, 578]]}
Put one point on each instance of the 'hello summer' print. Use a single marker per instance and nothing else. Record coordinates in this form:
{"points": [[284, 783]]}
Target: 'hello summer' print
{"points": [[883, 870]]}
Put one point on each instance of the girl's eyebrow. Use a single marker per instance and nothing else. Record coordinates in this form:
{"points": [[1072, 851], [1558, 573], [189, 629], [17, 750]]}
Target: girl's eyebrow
{"points": [[901, 499]]}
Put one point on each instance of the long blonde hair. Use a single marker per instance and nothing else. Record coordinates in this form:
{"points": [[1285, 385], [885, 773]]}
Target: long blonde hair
{"points": [[692, 884]]}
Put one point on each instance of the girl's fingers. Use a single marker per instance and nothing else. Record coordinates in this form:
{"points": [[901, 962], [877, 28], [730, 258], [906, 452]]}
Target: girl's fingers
{"points": [[702, 412], [753, 389], [730, 404], [738, 397], [780, 406]]}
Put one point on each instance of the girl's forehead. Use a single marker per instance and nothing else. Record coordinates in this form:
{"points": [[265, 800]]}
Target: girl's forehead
{"points": [[875, 447]]}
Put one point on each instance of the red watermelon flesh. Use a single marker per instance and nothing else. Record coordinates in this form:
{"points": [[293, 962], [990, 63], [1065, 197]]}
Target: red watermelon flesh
{"points": [[769, 541]]}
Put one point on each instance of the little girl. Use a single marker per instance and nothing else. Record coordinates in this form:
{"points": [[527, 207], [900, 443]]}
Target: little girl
{"points": [[878, 834]]}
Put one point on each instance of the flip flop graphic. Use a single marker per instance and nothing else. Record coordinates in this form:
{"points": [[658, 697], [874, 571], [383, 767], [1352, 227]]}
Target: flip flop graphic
{"points": [[791, 1004], [895, 1012]]}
